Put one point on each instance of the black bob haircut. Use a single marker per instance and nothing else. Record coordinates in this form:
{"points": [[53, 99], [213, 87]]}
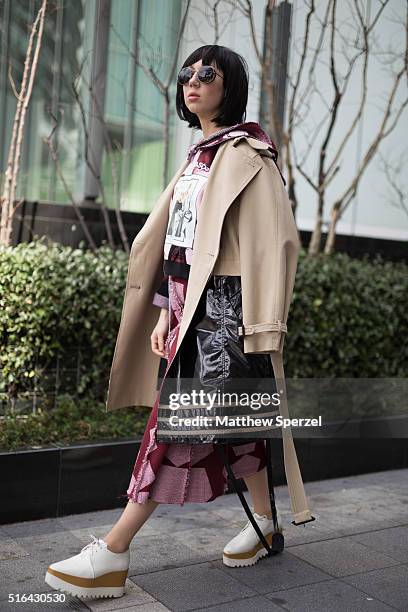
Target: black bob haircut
{"points": [[235, 81]]}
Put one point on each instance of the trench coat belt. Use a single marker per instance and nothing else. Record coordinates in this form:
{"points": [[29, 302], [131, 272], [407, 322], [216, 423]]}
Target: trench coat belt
{"points": [[247, 330], [298, 499]]}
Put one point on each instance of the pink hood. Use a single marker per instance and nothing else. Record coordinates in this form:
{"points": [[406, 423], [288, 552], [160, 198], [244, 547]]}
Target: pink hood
{"points": [[249, 128]]}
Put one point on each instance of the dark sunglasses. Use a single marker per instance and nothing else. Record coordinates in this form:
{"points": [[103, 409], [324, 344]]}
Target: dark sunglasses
{"points": [[206, 74]]}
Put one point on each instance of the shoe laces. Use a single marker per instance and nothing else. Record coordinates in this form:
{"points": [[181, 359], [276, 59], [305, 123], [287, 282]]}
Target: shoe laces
{"points": [[95, 544], [249, 524]]}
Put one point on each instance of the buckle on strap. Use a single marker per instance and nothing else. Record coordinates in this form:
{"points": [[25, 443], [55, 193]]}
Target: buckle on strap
{"points": [[247, 330]]}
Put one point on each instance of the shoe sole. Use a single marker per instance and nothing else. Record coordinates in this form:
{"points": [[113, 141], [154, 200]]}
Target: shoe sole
{"points": [[249, 557], [108, 585]]}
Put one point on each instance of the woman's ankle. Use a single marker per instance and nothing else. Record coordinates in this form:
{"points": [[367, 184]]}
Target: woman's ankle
{"points": [[115, 547], [263, 512]]}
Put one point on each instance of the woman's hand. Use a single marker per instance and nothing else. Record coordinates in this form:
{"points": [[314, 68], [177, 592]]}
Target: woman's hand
{"points": [[160, 332]]}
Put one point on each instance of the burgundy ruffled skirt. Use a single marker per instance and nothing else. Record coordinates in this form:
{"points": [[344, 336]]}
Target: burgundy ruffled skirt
{"points": [[179, 473]]}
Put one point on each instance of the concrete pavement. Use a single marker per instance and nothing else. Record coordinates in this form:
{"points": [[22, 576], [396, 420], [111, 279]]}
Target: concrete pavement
{"points": [[353, 557]]}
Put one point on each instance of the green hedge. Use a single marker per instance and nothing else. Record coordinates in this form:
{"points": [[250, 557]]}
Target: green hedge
{"points": [[70, 421], [53, 298], [348, 317]]}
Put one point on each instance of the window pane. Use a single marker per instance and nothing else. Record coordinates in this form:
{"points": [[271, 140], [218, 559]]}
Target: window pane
{"points": [[134, 105], [67, 27]]}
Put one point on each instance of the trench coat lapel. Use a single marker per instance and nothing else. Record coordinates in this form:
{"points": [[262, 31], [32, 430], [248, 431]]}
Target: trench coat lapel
{"points": [[230, 173]]}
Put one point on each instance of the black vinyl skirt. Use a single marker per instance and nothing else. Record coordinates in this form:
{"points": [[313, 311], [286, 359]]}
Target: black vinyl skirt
{"points": [[211, 358], [212, 350]]}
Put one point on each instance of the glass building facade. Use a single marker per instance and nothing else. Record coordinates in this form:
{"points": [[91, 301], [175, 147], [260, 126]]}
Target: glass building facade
{"points": [[96, 44]]}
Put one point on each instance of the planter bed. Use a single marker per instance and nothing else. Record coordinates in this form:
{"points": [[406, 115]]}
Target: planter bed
{"points": [[57, 480]]}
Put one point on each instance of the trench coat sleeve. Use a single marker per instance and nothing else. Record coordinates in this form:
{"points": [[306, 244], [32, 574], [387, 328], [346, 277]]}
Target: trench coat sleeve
{"points": [[269, 247]]}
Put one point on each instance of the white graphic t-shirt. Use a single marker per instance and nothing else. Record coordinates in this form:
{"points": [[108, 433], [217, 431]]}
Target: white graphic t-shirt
{"points": [[184, 206]]}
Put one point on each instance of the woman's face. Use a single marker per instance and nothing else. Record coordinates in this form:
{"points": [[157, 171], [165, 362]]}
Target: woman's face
{"points": [[210, 95]]}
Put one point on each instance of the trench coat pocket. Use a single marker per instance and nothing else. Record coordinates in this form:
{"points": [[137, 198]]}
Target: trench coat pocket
{"points": [[136, 264]]}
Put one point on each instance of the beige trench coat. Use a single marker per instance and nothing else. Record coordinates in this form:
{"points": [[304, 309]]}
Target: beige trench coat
{"points": [[245, 227]]}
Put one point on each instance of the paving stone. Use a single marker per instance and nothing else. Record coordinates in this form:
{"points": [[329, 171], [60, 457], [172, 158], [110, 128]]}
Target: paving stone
{"points": [[90, 519], [11, 549], [22, 575], [70, 603], [192, 587], [320, 529], [27, 528], [152, 606], [232, 516], [155, 606], [50, 548], [26, 576], [159, 552], [183, 521], [341, 556], [328, 596], [393, 542], [249, 604], [389, 478], [281, 571], [134, 596], [347, 495], [389, 584], [207, 542], [336, 524]]}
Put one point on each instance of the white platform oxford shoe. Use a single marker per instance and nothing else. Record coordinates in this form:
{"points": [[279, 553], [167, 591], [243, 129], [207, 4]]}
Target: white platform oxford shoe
{"points": [[246, 548], [94, 572]]}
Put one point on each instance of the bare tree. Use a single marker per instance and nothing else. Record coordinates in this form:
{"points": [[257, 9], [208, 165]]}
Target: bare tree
{"points": [[110, 148], [394, 171], [49, 140], [387, 123], [163, 86], [7, 202], [310, 58], [76, 94]]}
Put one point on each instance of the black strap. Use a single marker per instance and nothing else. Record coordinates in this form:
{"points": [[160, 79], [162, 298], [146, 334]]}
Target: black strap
{"points": [[238, 490], [270, 483]]}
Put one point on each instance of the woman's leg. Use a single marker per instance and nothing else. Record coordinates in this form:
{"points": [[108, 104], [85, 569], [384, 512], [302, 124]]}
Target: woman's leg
{"points": [[258, 488], [132, 518]]}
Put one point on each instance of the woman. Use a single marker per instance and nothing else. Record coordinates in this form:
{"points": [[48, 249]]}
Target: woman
{"points": [[185, 226]]}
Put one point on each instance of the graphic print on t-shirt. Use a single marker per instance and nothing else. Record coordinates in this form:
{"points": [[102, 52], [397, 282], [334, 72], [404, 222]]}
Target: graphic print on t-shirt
{"points": [[183, 211]]}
